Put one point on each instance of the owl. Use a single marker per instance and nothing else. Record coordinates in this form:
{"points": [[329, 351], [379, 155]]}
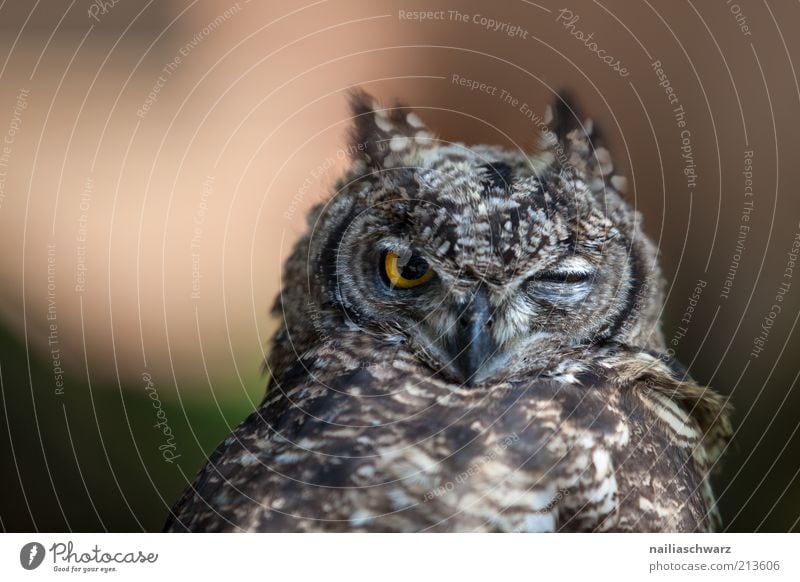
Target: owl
{"points": [[469, 340]]}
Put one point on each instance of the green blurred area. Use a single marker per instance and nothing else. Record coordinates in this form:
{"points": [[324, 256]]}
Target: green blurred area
{"points": [[89, 460]]}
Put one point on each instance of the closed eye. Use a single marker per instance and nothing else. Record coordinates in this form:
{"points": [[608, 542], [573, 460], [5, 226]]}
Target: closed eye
{"points": [[563, 277], [559, 286]]}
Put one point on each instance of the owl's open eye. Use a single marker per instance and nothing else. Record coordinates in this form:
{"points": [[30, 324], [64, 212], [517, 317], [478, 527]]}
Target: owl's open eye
{"points": [[406, 271]]}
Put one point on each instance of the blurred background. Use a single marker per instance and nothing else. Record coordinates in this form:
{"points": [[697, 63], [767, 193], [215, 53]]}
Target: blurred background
{"points": [[157, 159]]}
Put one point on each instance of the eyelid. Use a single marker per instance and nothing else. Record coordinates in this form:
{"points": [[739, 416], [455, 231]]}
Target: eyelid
{"points": [[398, 246], [552, 286], [571, 276], [573, 264], [560, 277]]}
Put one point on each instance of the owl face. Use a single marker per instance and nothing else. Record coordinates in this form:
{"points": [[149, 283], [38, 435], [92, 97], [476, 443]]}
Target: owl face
{"points": [[475, 256]]}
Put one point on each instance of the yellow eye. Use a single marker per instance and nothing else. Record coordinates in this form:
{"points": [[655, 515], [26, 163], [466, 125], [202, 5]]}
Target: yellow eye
{"points": [[413, 273]]}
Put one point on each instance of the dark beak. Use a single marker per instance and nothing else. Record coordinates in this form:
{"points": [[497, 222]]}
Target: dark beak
{"points": [[474, 343]]}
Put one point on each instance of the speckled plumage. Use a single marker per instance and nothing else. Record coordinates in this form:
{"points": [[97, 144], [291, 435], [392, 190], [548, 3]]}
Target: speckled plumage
{"points": [[521, 389]]}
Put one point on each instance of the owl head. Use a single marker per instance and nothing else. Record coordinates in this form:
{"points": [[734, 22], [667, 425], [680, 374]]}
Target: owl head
{"points": [[473, 257]]}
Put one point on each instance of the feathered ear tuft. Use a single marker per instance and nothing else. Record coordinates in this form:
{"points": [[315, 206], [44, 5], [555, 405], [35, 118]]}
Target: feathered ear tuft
{"points": [[576, 143], [563, 116], [384, 136]]}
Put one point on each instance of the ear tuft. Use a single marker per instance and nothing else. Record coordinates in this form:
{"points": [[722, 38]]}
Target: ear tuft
{"points": [[384, 136], [576, 143], [568, 125], [566, 116]]}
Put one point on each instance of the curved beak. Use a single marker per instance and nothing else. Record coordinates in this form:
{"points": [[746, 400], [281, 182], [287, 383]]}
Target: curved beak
{"points": [[473, 344]]}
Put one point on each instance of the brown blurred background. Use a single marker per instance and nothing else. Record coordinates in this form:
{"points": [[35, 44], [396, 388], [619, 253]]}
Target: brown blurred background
{"points": [[156, 161]]}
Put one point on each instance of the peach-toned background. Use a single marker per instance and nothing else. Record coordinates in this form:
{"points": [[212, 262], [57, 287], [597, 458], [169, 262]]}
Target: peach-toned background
{"points": [[244, 122]]}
